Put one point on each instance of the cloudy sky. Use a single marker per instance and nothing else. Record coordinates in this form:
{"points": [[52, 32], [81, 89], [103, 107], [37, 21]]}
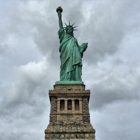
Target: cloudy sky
{"points": [[29, 64]]}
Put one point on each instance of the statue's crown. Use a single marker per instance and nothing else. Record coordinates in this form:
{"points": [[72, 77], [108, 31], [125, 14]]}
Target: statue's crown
{"points": [[70, 26]]}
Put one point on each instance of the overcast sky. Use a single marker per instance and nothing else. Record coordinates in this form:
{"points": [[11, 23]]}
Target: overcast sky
{"points": [[29, 64]]}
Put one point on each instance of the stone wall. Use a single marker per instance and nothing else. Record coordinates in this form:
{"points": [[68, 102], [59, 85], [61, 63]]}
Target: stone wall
{"points": [[69, 123]]}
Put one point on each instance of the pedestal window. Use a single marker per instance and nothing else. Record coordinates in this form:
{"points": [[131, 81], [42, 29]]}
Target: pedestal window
{"points": [[76, 104], [69, 104], [62, 105]]}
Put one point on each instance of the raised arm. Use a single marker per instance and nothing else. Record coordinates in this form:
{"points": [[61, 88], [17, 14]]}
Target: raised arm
{"points": [[59, 10]]}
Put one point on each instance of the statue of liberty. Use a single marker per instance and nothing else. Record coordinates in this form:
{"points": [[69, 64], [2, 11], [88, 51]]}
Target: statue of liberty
{"points": [[71, 53]]}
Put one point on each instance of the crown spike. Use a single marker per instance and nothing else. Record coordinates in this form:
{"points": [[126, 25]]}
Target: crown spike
{"points": [[65, 24], [72, 24]]}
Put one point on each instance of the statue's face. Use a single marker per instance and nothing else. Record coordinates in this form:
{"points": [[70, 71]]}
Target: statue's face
{"points": [[69, 30]]}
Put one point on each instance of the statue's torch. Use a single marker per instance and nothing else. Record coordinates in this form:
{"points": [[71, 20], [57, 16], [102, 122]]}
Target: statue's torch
{"points": [[59, 9]]}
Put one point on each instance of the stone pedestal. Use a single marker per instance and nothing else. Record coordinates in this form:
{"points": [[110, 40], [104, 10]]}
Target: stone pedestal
{"points": [[69, 114]]}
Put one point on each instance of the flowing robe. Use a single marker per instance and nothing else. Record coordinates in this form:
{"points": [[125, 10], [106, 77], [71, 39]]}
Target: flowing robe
{"points": [[71, 57]]}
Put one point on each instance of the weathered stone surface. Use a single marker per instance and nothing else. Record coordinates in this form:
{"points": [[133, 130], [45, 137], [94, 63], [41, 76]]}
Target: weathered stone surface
{"points": [[72, 121]]}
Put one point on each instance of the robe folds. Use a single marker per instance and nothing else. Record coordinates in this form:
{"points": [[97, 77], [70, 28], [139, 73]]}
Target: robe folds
{"points": [[70, 56]]}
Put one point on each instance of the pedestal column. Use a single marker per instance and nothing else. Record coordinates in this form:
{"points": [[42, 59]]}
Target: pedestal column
{"points": [[66, 107], [73, 106], [80, 105], [58, 105]]}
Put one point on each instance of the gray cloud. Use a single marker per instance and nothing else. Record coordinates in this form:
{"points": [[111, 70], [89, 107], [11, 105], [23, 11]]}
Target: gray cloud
{"points": [[107, 26], [118, 114], [112, 81], [26, 102], [29, 61]]}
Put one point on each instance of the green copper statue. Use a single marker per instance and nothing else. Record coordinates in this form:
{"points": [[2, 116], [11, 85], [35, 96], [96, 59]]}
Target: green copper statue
{"points": [[71, 53]]}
